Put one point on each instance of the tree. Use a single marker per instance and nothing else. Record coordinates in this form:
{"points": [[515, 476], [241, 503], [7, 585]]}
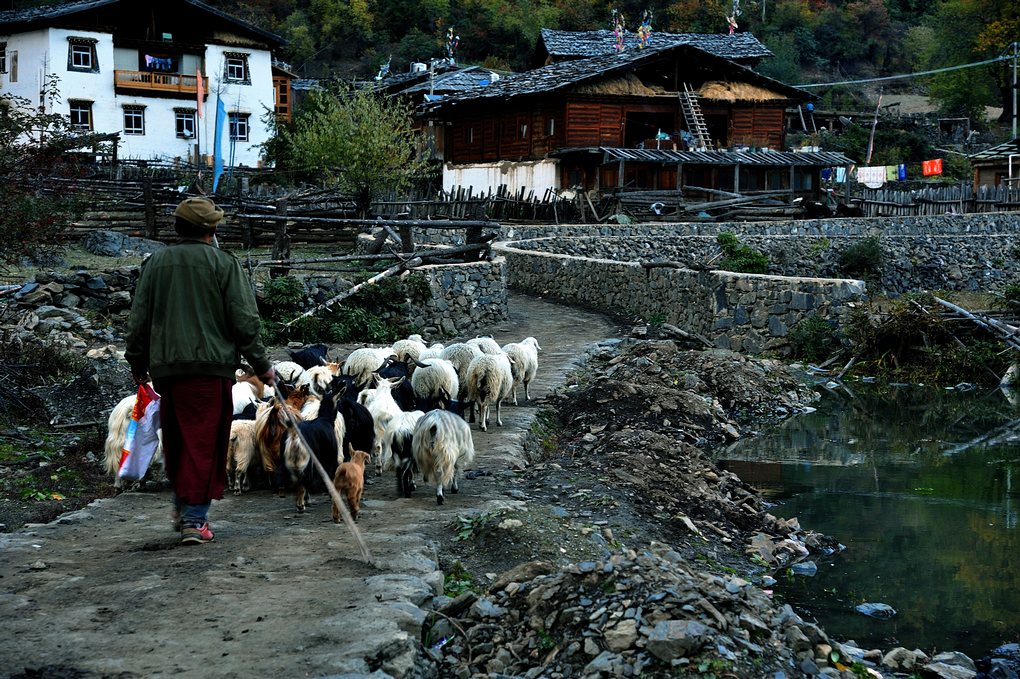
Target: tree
{"points": [[358, 140], [34, 145]]}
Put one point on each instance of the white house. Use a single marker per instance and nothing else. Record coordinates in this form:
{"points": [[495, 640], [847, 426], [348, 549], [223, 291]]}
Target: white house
{"points": [[136, 67]]}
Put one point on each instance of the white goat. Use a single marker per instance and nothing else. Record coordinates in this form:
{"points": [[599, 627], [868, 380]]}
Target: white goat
{"points": [[442, 446], [524, 363], [397, 447], [436, 382], [117, 427], [381, 405], [243, 394], [361, 363], [490, 380], [241, 453], [486, 344], [317, 378]]}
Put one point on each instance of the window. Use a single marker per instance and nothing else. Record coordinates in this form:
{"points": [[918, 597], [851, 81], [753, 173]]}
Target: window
{"points": [[523, 131], [550, 127], [3, 57], [238, 126], [235, 68], [185, 122], [81, 114], [81, 55], [12, 75], [469, 135], [134, 119]]}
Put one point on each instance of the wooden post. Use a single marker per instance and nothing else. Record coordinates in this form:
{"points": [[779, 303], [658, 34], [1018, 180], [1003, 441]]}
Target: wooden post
{"points": [[151, 232], [472, 236], [281, 246], [406, 238], [247, 234]]}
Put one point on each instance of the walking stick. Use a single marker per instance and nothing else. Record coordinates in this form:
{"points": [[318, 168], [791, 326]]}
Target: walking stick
{"points": [[291, 423]]}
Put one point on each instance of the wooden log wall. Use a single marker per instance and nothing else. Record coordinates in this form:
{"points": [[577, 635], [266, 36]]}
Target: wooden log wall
{"points": [[936, 200]]}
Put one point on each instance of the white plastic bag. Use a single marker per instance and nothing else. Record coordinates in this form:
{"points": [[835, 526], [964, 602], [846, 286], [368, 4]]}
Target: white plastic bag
{"points": [[142, 438]]}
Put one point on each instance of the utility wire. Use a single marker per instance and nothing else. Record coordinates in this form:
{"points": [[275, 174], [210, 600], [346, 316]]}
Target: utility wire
{"points": [[909, 75]]}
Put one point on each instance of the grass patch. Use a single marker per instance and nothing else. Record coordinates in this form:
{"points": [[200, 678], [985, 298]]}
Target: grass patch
{"points": [[739, 257]]}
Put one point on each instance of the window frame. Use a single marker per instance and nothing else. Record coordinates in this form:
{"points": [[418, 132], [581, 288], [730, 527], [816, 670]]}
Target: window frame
{"points": [[234, 119], [182, 119], [3, 57], [81, 106], [81, 47], [134, 110], [236, 68]]}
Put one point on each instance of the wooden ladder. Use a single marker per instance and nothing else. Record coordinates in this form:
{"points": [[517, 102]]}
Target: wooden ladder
{"points": [[695, 118]]}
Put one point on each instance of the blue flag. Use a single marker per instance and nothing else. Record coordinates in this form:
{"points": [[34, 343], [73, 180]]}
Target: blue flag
{"points": [[221, 118]]}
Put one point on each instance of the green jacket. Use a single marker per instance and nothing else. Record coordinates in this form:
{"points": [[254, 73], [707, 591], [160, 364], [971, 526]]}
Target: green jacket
{"points": [[193, 313]]}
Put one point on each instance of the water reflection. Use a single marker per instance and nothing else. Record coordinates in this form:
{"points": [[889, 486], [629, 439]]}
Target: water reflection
{"points": [[923, 487]]}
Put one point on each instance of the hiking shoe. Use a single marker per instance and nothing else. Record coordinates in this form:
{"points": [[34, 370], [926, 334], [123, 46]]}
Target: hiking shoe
{"points": [[190, 535]]}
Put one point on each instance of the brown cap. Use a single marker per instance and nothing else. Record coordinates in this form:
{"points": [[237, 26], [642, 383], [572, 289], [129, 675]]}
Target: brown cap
{"points": [[201, 212]]}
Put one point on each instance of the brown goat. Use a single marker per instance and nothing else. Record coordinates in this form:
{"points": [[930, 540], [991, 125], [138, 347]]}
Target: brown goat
{"points": [[349, 482]]}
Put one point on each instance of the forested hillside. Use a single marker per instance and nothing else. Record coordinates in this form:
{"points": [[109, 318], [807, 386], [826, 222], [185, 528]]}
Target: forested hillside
{"points": [[813, 40]]}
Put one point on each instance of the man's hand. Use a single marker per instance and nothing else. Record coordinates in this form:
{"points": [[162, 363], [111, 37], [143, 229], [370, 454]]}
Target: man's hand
{"points": [[269, 378], [142, 379]]}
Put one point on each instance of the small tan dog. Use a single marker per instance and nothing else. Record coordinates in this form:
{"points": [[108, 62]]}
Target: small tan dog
{"points": [[349, 482]]}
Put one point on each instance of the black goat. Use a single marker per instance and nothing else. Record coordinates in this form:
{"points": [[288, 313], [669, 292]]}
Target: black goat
{"points": [[309, 356], [844, 210], [359, 427], [403, 394], [320, 435], [248, 413], [814, 209]]}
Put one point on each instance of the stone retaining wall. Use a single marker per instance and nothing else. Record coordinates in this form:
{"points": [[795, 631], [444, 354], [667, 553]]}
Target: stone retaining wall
{"points": [[743, 312], [910, 263], [465, 298]]}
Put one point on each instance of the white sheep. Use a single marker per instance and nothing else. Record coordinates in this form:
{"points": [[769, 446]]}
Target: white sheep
{"points": [[433, 350], [486, 344], [490, 380], [361, 363], [461, 355], [435, 383], [116, 433], [442, 446], [408, 350], [524, 364], [288, 371]]}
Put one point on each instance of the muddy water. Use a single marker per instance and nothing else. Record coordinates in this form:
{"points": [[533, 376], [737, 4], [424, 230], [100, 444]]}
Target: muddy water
{"points": [[922, 486]]}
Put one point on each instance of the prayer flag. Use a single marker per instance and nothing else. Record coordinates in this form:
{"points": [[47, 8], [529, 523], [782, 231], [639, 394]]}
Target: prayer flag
{"points": [[221, 119], [931, 167], [901, 172]]}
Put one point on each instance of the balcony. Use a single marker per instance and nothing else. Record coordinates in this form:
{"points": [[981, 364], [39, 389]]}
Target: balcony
{"points": [[149, 81]]}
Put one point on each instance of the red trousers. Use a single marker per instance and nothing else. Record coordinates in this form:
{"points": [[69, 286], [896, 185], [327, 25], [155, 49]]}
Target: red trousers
{"points": [[195, 413]]}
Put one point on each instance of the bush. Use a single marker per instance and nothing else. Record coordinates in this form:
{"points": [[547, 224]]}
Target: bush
{"points": [[863, 259], [739, 257], [813, 339]]}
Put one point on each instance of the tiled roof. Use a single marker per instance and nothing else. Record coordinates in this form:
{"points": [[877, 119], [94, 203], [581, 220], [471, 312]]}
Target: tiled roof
{"points": [[999, 152], [456, 81], [575, 44], [760, 158], [563, 74], [20, 19]]}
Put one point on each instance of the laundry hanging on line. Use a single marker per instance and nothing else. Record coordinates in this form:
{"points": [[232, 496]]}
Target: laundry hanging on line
{"points": [[931, 167], [872, 177]]}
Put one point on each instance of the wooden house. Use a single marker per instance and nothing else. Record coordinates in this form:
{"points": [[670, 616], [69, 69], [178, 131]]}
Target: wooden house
{"points": [[998, 165], [663, 117]]}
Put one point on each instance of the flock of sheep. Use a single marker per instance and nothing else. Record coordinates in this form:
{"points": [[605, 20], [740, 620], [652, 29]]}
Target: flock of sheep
{"points": [[406, 407]]}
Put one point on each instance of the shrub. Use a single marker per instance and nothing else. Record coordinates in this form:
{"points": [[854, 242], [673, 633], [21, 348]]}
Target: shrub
{"points": [[739, 257], [863, 259], [813, 339]]}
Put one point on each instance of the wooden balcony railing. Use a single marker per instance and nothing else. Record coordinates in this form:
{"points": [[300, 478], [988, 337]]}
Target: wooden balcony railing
{"points": [[163, 82]]}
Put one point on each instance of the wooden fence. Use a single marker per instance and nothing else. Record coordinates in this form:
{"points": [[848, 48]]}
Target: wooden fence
{"points": [[936, 200]]}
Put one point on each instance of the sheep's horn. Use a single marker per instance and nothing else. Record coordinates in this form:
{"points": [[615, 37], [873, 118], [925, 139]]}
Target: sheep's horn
{"points": [[420, 364]]}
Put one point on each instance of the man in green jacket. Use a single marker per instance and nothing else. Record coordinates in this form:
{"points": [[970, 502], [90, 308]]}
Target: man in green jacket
{"points": [[193, 318]]}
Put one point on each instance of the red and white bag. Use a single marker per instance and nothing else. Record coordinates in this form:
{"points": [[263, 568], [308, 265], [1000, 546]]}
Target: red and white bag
{"points": [[142, 438]]}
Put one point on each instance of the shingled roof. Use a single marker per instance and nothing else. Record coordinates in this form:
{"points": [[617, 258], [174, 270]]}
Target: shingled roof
{"points": [[13, 21], [997, 153], [670, 157], [564, 74], [739, 47]]}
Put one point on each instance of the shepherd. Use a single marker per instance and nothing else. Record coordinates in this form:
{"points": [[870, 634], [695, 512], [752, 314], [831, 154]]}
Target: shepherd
{"points": [[193, 316]]}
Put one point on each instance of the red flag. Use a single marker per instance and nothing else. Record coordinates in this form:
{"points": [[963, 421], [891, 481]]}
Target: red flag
{"points": [[201, 91], [931, 167]]}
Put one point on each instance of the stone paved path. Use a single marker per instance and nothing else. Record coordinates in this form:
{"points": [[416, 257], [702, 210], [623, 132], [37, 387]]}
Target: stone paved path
{"points": [[108, 592]]}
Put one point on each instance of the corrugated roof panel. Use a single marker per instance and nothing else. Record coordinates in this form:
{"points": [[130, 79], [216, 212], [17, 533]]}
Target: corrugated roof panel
{"points": [[759, 158]]}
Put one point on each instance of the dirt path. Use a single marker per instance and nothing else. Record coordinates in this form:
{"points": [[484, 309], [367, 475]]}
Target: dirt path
{"points": [[107, 591]]}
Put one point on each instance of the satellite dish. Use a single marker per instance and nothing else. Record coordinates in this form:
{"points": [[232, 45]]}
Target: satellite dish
{"points": [[845, 121]]}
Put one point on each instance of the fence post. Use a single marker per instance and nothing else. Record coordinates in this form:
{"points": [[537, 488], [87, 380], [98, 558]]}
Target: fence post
{"points": [[281, 246], [151, 232], [406, 238]]}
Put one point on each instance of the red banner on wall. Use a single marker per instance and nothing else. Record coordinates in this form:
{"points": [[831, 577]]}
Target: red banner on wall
{"points": [[931, 167]]}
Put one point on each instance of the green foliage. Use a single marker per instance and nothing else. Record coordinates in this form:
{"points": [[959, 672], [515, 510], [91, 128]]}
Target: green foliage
{"points": [[1009, 299], [283, 292], [813, 339], [363, 143], [739, 257], [470, 527], [545, 641], [457, 580], [863, 259]]}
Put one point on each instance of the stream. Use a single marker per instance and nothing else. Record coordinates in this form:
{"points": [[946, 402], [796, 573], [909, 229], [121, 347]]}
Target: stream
{"points": [[922, 486]]}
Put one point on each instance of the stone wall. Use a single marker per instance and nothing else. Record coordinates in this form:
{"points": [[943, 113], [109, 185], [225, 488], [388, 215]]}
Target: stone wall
{"points": [[743, 312], [465, 298], [910, 262]]}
